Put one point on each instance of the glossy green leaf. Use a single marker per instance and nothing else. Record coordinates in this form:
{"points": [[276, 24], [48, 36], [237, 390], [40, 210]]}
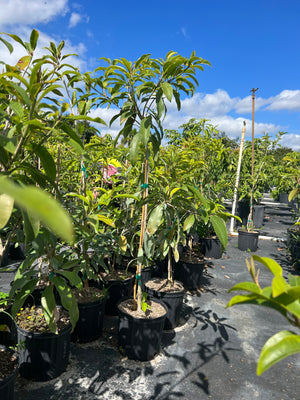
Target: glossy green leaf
{"points": [[220, 229], [271, 264], [7, 44], [106, 220], [47, 161], [48, 305], [278, 347], [43, 207], [134, 149], [279, 286], [188, 222], [144, 131], [247, 286], [293, 193], [155, 219], [167, 90], [68, 300], [6, 207], [34, 38]]}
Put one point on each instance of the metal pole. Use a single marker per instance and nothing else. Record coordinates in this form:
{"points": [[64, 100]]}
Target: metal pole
{"points": [[253, 110]]}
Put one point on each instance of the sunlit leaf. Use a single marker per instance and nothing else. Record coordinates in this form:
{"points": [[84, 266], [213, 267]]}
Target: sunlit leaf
{"points": [[278, 347], [39, 204], [6, 207]]}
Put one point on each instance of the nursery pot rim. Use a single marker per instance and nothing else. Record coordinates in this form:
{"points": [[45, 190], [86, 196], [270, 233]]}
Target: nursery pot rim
{"points": [[142, 320]]}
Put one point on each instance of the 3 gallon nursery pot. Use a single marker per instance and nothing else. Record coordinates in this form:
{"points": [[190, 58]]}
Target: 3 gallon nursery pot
{"points": [[140, 337], [258, 215], [189, 273], [90, 323], [211, 247], [172, 299], [117, 290], [7, 385], [43, 356], [247, 240]]}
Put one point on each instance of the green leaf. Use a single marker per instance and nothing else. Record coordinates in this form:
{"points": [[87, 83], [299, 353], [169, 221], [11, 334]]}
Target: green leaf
{"points": [[155, 219], [23, 62], [293, 193], [33, 39], [167, 90], [278, 347], [144, 131], [6, 207], [31, 226], [48, 305], [279, 286], [106, 220], [47, 161], [68, 300], [189, 222], [41, 206], [7, 44], [271, 264], [134, 149], [71, 276], [220, 229], [247, 286], [123, 243], [8, 144]]}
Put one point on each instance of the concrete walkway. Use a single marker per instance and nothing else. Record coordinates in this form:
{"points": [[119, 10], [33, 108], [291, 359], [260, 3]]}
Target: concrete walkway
{"points": [[211, 355]]}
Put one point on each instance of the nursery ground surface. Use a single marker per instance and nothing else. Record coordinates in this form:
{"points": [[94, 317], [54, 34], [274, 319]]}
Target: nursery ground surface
{"points": [[212, 354]]}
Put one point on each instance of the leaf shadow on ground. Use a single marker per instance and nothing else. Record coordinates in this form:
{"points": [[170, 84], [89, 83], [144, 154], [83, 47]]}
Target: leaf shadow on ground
{"points": [[219, 345]]}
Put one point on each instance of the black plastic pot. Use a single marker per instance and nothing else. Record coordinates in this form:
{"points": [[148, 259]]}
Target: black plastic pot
{"points": [[117, 290], [248, 240], [243, 212], [293, 245], [173, 301], [258, 215], [140, 338], [283, 198], [211, 247], [7, 385], [8, 338], [43, 356], [190, 274], [90, 323]]}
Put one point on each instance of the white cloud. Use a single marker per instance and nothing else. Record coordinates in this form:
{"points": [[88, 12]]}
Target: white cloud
{"points": [[286, 100], [291, 140], [29, 12], [43, 41], [74, 19]]}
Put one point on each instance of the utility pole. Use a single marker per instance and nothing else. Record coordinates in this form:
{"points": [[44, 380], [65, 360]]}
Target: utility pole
{"points": [[253, 110]]}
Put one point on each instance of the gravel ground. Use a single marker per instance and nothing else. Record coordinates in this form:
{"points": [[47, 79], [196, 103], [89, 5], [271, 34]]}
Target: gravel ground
{"points": [[211, 355]]}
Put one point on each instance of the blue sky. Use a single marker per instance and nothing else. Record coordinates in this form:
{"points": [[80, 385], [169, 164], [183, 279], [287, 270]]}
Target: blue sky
{"points": [[250, 44]]}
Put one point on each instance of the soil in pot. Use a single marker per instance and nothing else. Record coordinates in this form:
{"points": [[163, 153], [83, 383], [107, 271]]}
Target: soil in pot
{"points": [[8, 373], [189, 269], [91, 306], [43, 355], [247, 240], [119, 285], [171, 296], [140, 333]]}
